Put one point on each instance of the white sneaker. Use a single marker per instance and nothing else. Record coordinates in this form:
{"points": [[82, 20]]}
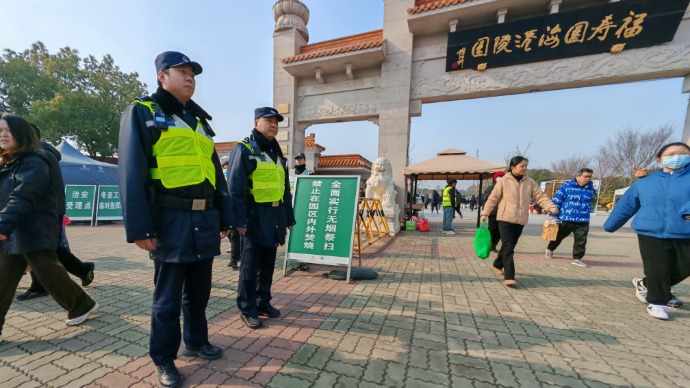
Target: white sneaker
{"points": [[640, 290], [80, 319], [659, 311], [450, 232], [548, 254], [579, 263]]}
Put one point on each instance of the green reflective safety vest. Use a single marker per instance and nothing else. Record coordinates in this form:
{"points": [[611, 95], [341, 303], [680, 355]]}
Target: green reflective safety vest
{"points": [[446, 196], [183, 154], [268, 180]]}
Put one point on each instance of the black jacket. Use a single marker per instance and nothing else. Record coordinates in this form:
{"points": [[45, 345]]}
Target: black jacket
{"points": [[53, 157], [487, 193], [29, 214]]}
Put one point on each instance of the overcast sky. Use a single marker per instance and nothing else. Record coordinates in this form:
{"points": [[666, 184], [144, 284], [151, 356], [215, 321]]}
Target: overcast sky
{"points": [[233, 41]]}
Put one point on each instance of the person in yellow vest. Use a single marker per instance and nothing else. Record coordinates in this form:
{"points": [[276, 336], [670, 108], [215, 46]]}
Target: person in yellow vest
{"points": [[261, 210], [448, 203], [175, 206]]}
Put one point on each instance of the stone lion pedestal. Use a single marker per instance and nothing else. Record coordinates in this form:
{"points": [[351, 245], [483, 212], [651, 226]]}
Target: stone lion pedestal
{"points": [[380, 186]]}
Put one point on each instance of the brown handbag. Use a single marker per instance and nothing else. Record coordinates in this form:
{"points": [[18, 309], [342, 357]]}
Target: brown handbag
{"points": [[550, 230]]}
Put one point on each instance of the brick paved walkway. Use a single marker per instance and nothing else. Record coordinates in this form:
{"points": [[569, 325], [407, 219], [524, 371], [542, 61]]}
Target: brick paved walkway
{"points": [[437, 316]]}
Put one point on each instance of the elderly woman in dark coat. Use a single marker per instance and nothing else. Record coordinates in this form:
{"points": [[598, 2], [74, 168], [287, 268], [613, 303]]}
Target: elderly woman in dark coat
{"points": [[29, 222]]}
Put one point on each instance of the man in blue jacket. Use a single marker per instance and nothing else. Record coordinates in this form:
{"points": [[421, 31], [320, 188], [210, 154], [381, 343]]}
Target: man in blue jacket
{"points": [[259, 188], [574, 200], [175, 206]]}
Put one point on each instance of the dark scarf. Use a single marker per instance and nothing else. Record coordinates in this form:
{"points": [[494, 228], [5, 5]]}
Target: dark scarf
{"points": [[266, 145], [172, 106], [300, 169], [517, 177]]}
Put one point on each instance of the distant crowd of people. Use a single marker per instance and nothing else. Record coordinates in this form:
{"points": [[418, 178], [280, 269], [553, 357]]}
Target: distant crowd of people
{"points": [[433, 199]]}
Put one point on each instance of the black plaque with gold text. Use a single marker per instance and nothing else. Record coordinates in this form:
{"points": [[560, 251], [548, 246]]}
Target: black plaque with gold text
{"points": [[611, 27]]}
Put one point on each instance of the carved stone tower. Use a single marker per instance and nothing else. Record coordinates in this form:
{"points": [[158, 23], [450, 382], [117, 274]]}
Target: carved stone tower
{"points": [[290, 33]]}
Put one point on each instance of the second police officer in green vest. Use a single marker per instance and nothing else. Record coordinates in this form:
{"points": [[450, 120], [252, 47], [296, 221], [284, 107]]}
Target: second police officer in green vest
{"points": [[176, 207], [262, 210], [299, 169]]}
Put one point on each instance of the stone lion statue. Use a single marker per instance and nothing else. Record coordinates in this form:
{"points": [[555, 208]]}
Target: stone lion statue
{"points": [[380, 184]]}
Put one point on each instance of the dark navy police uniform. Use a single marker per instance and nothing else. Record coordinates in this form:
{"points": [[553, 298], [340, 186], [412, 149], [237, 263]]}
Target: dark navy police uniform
{"points": [[188, 235], [266, 224]]}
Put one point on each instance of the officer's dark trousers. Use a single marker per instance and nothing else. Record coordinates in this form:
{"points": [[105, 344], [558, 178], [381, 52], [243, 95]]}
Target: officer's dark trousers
{"points": [[236, 243], [185, 286], [50, 273], [71, 263], [510, 233], [580, 230], [256, 276], [666, 263]]}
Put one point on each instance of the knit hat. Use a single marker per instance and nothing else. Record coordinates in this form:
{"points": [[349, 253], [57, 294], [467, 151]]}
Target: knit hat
{"points": [[498, 174]]}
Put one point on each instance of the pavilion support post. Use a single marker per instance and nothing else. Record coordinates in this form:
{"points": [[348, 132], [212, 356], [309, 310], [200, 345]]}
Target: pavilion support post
{"points": [[479, 202]]}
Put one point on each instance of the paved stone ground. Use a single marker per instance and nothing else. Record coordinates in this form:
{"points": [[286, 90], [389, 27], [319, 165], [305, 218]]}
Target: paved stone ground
{"points": [[437, 316]]}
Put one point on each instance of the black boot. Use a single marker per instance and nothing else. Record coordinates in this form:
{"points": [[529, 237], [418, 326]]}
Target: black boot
{"points": [[168, 376], [207, 352]]}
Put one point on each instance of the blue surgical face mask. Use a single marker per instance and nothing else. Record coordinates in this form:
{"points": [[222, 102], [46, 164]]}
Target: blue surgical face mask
{"points": [[674, 162]]}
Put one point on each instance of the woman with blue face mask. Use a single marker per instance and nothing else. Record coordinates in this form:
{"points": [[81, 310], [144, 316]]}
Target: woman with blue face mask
{"points": [[663, 236]]}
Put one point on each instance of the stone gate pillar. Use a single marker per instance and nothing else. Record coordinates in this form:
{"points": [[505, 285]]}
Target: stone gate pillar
{"points": [[290, 33], [394, 105]]}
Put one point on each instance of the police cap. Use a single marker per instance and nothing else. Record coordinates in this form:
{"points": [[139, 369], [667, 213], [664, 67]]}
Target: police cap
{"points": [[267, 112], [168, 59]]}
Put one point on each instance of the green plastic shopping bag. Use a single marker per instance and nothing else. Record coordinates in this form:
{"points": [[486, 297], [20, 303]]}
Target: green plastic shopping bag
{"points": [[482, 241]]}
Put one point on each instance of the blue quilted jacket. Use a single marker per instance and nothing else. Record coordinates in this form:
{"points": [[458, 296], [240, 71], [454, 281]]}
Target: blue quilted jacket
{"points": [[655, 201]]}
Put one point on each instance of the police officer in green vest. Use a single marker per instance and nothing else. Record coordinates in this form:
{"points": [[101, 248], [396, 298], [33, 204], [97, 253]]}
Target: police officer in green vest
{"points": [[175, 206], [299, 169], [448, 204], [261, 210]]}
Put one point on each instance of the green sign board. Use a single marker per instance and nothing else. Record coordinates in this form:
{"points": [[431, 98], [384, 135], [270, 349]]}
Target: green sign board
{"points": [[325, 210], [79, 202], [109, 206]]}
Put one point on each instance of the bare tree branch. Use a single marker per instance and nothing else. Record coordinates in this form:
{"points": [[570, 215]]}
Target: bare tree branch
{"points": [[630, 149], [569, 167], [516, 152]]}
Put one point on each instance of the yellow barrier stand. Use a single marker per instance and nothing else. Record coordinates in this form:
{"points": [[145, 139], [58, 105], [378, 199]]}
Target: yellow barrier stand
{"points": [[371, 220], [382, 225]]}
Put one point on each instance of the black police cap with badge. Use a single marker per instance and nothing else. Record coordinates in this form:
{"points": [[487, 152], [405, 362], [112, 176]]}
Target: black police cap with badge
{"points": [[267, 112], [168, 59]]}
